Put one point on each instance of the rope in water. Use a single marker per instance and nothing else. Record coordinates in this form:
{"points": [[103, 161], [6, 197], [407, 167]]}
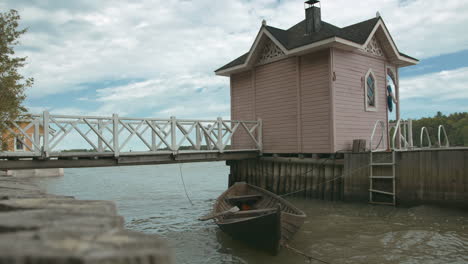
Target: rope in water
{"points": [[183, 183], [309, 257]]}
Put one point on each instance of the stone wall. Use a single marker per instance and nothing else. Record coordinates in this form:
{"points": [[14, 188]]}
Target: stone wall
{"points": [[36, 227]]}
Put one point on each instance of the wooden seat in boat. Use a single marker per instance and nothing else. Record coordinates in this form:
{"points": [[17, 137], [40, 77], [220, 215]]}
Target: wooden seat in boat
{"points": [[250, 213], [244, 198]]}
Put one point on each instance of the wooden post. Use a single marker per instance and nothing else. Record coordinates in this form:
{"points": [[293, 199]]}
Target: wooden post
{"points": [[397, 110], [410, 133], [263, 175], [153, 137], [321, 183], [249, 172], [286, 177], [173, 134], [220, 144], [276, 175], [37, 136], [292, 177], [337, 183], [316, 181], [198, 136], [282, 177], [310, 180], [328, 184], [304, 179], [100, 127], [115, 136], [45, 144], [260, 135]]}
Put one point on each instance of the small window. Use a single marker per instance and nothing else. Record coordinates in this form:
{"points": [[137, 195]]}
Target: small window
{"points": [[370, 92], [19, 144]]}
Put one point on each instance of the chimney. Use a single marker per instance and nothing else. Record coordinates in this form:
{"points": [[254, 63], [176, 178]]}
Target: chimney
{"points": [[313, 17]]}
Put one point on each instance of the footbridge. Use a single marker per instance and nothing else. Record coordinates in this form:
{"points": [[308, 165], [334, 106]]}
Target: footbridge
{"points": [[65, 141]]}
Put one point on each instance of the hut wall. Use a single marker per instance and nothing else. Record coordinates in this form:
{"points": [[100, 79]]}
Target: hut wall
{"points": [[315, 103], [291, 96], [351, 120], [276, 104], [242, 107]]}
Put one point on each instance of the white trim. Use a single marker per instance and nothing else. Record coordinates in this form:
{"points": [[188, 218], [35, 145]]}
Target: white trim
{"points": [[367, 107], [389, 38], [320, 44]]}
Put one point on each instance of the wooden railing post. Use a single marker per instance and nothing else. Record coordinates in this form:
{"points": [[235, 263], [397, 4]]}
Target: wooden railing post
{"points": [[198, 136], [173, 134], [115, 134], [45, 144], [410, 133], [37, 136], [260, 134], [220, 134], [100, 127], [153, 137]]}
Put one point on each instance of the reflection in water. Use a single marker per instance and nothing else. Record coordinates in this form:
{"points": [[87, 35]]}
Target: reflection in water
{"points": [[152, 200]]}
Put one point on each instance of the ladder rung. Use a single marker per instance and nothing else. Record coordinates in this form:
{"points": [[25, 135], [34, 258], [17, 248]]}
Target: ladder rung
{"points": [[382, 177], [383, 203], [382, 192], [381, 164]]}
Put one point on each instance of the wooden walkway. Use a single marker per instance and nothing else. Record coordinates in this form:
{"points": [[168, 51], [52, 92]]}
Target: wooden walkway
{"points": [[47, 141]]}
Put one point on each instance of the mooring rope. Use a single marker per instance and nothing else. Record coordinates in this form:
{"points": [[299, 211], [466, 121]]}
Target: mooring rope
{"points": [[309, 257], [183, 183], [327, 181]]}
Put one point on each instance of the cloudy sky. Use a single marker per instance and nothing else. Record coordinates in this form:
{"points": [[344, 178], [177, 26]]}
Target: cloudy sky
{"points": [[154, 58]]}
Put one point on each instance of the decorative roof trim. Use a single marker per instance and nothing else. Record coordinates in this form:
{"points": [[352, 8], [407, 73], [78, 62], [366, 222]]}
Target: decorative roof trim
{"points": [[381, 24], [332, 41], [263, 31]]}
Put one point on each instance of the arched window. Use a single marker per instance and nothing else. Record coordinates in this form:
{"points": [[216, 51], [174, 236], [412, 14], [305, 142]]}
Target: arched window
{"points": [[371, 91]]}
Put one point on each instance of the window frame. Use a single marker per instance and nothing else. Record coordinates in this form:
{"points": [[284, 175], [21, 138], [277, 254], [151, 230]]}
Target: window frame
{"points": [[368, 107], [19, 141]]}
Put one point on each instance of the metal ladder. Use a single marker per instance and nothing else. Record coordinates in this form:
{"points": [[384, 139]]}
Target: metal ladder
{"points": [[373, 177]]}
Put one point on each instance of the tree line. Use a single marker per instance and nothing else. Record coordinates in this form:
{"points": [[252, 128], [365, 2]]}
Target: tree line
{"points": [[455, 124]]}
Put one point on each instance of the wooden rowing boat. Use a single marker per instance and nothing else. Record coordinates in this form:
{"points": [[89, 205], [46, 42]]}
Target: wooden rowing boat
{"points": [[263, 219]]}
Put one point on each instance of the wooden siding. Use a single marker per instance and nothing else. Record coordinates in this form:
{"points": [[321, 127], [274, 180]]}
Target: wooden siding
{"points": [[315, 102], [242, 107], [352, 121], [276, 105], [293, 98]]}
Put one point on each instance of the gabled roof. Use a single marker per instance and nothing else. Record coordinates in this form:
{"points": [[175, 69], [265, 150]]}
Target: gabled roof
{"points": [[295, 41]]}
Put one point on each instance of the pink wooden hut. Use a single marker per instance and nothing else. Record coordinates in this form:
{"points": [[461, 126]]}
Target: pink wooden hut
{"points": [[316, 86]]}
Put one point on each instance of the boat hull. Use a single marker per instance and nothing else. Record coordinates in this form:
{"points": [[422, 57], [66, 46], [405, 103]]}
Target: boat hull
{"points": [[263, 232], [265, 220]]}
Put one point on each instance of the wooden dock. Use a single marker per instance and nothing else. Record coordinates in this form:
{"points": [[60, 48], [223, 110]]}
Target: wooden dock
{"points": [[425, 176]]}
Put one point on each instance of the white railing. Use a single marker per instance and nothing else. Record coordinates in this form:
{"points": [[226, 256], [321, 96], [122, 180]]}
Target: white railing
{"points": [[382, 136], [402, 134], [421, 138], [442, 129], [52, 135]]}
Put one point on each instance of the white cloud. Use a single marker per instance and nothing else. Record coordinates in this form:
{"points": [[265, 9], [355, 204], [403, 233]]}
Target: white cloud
{"points": [[439, 86], [174, 46], [425, 95]]}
